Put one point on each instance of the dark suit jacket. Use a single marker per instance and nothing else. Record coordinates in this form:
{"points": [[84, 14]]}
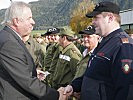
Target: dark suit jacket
{"points": [[18, 79]]}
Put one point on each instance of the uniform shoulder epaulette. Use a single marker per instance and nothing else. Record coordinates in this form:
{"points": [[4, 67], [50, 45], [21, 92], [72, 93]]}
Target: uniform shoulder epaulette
{"points": [[74, 50], [125, 40], [56, 44], [76, 53]]}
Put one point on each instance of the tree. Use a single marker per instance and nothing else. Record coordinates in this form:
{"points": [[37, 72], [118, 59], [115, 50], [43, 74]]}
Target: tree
{"points": [[78, 19]]}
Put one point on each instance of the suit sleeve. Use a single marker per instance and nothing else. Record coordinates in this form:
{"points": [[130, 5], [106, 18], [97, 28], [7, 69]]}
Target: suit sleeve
{"points": [[14, 61]]}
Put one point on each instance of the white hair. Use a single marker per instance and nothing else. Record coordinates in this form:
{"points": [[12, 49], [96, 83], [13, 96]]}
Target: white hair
{"points": [[16, 10]]}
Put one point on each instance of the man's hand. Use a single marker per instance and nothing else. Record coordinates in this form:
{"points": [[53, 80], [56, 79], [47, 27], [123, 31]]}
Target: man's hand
{"points": [[68, 90], [76, 95], [62, 96], [40, 75]]}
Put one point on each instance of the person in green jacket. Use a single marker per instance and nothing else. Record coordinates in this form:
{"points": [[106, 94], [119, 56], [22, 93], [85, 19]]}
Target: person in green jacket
{"points": [[35, 50], [52, 32], [53, 63], [90, 40], [65, 68], [41, 41]]}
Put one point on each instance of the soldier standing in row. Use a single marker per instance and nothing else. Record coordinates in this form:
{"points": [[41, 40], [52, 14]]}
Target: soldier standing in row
{"points": [[41, 42], [51, 48], [65, 68], [90, 40], [36, 51], [54, 61]]}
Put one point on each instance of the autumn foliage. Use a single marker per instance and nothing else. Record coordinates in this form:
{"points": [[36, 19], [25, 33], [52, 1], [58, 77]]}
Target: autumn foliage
{"points": [[79, 21]]}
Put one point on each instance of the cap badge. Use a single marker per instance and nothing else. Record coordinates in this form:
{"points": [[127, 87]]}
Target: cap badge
{"points": [[89, 28], [51, 29], [97, 5]]}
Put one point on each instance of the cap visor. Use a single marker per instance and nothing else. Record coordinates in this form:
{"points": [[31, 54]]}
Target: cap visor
{"points": [[48, 33], [86, 32], [92, 14], [43, 34]]}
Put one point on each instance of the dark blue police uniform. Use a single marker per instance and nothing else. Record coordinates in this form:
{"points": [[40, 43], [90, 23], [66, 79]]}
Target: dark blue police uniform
{"points": [[109, 75]]}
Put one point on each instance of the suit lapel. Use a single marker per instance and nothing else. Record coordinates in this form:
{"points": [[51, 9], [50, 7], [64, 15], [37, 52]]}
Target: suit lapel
{"points": [[29, 57]]}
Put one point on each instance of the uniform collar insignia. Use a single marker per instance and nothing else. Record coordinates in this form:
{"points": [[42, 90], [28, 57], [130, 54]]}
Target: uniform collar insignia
{"points": [[100, 54]]}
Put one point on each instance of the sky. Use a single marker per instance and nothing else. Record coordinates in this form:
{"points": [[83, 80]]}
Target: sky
{"points": [[6, 3]]}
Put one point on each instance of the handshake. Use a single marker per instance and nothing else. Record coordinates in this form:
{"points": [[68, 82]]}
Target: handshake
{"points": [[66, 92]]}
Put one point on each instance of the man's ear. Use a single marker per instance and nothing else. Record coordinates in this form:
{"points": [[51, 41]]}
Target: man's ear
{"points": [[15, 22], [64, 38], [111, 17]]}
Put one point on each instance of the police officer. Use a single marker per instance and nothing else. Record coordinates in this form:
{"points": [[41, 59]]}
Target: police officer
{"points": [[90, 40], [65, 68], [109, 74]]}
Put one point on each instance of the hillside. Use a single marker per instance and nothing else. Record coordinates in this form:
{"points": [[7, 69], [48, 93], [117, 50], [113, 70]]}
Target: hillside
{"points": [[53, 12], [48, 13]]}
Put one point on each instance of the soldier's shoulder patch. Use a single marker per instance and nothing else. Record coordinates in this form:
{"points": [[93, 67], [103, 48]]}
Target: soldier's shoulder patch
{"points": [[126, 68], [126, 65], [125, 40]]}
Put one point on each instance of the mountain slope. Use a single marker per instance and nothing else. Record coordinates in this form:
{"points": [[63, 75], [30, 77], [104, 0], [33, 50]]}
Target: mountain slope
{"points": [[57, 13]]}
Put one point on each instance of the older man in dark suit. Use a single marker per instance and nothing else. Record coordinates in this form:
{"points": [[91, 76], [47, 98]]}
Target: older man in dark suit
{"points": [[18, 77]]}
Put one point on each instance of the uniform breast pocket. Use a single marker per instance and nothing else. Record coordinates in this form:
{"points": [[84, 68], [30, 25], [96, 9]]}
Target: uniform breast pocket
{"points": [[62, 61], [103, 57], [100, 65]]}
